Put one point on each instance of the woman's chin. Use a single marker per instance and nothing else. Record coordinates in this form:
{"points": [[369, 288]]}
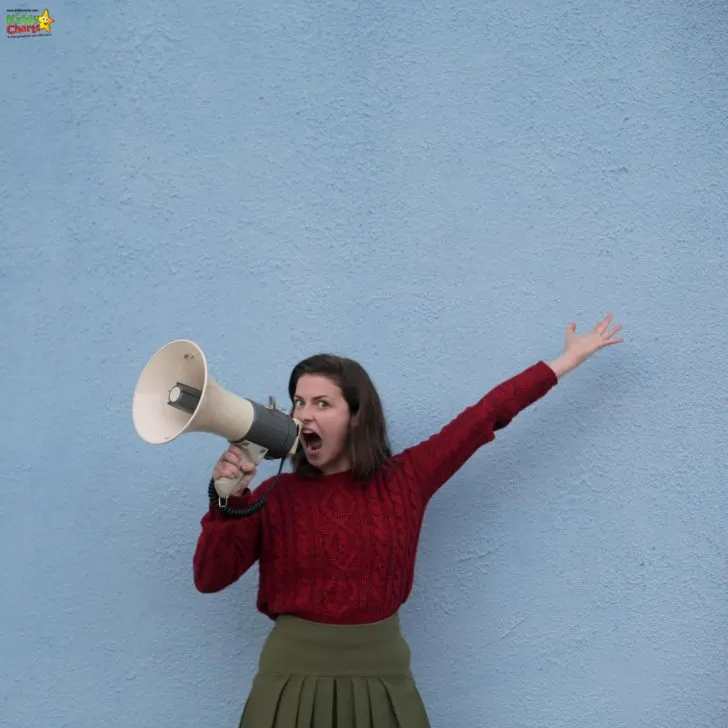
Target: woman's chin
{"points": [[317, 459], [324, 462]]}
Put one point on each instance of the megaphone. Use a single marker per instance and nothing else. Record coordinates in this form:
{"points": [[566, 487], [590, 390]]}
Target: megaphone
{"points": [[176, 394]]}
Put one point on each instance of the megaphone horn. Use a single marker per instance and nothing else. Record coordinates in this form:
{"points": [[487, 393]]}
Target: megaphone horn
{"points": [[176, 394]]}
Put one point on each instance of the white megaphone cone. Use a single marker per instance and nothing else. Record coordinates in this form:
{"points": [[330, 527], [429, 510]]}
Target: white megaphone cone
{"points": [[176, 394]]}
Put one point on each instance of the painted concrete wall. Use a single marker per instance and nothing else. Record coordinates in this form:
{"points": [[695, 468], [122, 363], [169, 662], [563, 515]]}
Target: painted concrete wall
{"points": [[437, 191]]}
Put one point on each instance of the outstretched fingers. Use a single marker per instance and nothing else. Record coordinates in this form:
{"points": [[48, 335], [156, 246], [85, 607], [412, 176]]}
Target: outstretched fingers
{"points": [[607, 337], [603, 325]]}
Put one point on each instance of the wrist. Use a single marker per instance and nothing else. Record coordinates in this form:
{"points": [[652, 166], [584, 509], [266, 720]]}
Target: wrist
{"points": [[563, 365]]}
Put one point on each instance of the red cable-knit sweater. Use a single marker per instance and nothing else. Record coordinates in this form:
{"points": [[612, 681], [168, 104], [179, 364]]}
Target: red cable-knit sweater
{"points": [[331, 550]]}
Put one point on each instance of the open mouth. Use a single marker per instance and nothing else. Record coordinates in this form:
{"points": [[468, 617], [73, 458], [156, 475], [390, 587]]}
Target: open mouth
{"points": [[311, 441]]}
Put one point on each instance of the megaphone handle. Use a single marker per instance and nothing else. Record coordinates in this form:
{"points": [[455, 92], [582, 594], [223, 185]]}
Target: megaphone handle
{"points": [[225, 486]]}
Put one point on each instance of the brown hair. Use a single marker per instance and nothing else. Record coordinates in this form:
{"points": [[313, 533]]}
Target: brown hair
{"points": [[369, 448]]}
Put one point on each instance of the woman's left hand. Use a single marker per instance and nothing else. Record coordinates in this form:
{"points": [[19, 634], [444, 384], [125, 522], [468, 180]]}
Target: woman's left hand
{"points": [[579, 347]]}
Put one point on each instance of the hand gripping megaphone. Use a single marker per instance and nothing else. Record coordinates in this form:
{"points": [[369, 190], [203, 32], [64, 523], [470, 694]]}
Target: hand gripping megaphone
{"points": [[175, 394]]}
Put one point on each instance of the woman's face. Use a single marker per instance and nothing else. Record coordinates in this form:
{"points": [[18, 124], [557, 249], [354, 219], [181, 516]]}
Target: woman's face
{"points": [[325, 419]]}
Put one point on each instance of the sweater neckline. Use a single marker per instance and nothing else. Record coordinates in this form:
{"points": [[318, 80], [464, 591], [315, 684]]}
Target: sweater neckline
{"points": [[345, 476]]}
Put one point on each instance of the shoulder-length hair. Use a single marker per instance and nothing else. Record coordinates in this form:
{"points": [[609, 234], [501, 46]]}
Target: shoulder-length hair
{"points": [[368, 442]]}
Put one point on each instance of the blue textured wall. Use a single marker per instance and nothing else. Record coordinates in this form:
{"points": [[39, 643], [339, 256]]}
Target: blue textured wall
{"points": [[437, 191]]}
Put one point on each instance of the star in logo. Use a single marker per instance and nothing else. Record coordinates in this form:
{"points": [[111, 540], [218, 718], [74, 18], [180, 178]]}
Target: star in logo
{"points": [[45, 21]]}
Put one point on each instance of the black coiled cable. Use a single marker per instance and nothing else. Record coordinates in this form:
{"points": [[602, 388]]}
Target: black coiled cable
{"points": [[231, 512]]}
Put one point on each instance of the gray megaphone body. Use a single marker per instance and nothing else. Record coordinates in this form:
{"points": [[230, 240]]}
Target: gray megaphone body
{"points": [[176, 394]]}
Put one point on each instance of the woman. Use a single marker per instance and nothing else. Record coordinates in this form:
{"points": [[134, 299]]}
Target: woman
{"points": [[337, 540]]}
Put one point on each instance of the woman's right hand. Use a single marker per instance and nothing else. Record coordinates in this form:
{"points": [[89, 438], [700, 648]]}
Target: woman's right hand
{"points": [[230, 465]]}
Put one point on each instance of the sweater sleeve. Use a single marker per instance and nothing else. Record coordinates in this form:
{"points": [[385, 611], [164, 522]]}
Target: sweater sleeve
{"points": [[227, 547], [432, 462]]}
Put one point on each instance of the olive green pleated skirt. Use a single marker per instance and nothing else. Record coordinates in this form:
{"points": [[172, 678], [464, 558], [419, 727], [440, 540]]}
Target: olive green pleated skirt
{"points": [[313, 675]]}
